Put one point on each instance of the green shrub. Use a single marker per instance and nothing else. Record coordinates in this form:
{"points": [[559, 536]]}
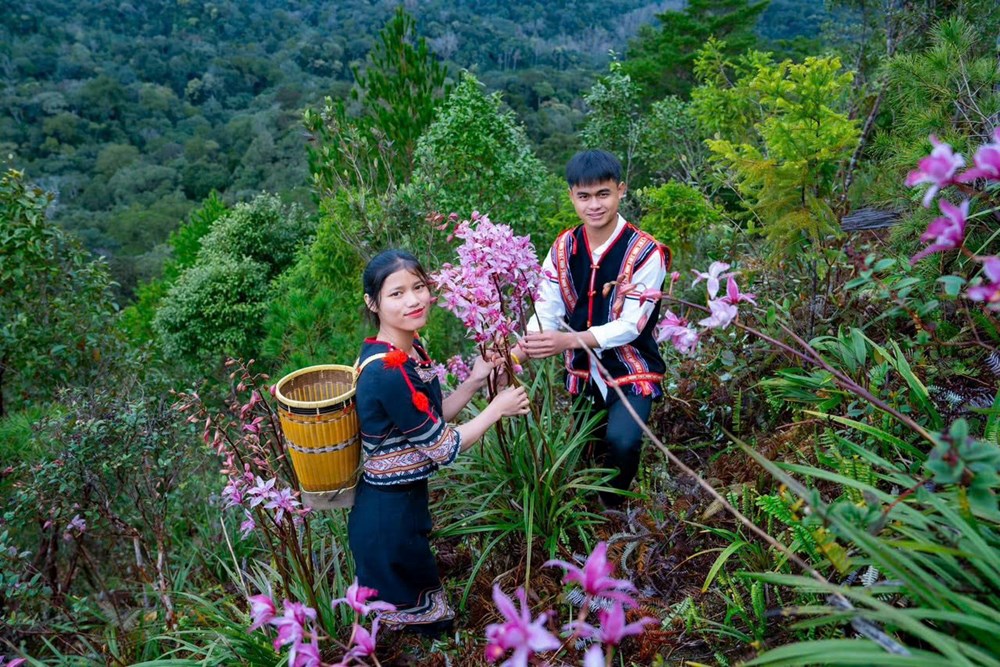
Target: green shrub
{"points": [[675, 213], [216, 308]]}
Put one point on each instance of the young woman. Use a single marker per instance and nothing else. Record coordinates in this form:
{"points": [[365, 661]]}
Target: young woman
{"points": [[406, 435]]}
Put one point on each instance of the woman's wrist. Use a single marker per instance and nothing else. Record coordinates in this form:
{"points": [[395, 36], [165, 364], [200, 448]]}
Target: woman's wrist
{"points": [[474, 384]]}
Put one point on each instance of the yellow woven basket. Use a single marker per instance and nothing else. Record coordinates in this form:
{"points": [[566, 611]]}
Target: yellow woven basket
{"points": [[316, 408]]}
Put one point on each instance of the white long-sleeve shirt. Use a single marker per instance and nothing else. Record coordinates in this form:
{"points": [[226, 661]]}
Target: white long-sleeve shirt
{"points": [[550, 311]]}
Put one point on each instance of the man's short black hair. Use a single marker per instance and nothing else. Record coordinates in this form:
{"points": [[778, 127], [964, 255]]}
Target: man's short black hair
{"points": [[593, 166]]}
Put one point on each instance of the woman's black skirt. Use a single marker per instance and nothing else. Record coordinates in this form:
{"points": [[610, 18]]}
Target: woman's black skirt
{"points": [[388, 531]]}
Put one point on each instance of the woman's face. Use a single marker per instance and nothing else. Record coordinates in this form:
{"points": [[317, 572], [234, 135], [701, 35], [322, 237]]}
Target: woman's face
{"points": [[404, 301]]}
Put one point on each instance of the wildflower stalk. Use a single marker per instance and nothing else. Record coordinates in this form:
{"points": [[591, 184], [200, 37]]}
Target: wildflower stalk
{"points": [[254, 460], [812, 357]]}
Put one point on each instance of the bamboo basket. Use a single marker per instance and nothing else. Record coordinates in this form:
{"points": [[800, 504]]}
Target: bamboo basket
{"points": [[317, 411]]}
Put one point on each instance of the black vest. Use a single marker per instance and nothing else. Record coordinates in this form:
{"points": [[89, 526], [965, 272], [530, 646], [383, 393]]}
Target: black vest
{"points": [[581, 285]]}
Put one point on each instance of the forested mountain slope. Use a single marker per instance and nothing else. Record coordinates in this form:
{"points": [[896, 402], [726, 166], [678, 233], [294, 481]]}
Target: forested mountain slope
{"points": [[132, 112]]}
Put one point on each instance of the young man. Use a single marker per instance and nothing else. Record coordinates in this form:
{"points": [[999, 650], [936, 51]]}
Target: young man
{"points": [[580, 307]]}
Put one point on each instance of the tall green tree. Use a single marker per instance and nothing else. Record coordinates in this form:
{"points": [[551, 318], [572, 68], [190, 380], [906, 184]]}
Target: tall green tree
{"points": [[614, 121], [661, 59], [886, 33], [398, 92], [55, 301], [400, 88], [782, 137], [951, 89], [476, 156]]}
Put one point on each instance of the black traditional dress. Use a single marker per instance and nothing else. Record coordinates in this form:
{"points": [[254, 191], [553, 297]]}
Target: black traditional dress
{"points": [[405, 439]]}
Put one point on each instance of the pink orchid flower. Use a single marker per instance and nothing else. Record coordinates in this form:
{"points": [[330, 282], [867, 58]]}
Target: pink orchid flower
{"points": [[233, 492], [735, 296], [262, 610], [938, 169], [261, 490], [255, 399], [363, 641], [988, 291], [594, 657], [668, 319], [595, 576], [291, 624], [676, 330], [282, 501], [518, 631], [440, 371], [711, 277], [248, 526], [458, 367], [254, 426], [722, 315], [301, 652], [612, 628], [356, 597], [987, 161], [77, 524], [947, 233], [650, 295], [305, 655], [685, 340], [13, 663]]}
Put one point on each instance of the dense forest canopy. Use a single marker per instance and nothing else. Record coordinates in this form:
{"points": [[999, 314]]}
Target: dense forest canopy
{"points": [[131, 113]]}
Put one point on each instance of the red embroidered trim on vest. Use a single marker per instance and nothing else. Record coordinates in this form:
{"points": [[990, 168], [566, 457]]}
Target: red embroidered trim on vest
{"points": [[636, 377], [566, 287], [642, 242]]}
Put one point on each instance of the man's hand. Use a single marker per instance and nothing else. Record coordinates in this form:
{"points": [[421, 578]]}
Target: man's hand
{"points": [[548, 343]]}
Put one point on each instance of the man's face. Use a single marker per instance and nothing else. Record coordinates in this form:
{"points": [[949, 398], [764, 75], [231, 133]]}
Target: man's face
{"points": [[596, 204]]}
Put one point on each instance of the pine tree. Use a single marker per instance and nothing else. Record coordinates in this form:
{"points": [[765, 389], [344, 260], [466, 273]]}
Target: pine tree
{"points": [[782, 136], [661, 59], [476, 156], [398, 92]]}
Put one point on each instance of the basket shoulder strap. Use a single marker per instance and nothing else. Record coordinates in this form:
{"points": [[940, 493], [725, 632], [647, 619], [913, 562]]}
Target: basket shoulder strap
{"points": [[358, 369]]}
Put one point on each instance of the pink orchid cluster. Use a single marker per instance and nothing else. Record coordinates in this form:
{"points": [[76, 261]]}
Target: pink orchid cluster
{"points": [[248, 491], [246, 464], [258, 477], [459, 368], [526, 636], [940, 169], [296, 626], [722, 310], [496, 280]]}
